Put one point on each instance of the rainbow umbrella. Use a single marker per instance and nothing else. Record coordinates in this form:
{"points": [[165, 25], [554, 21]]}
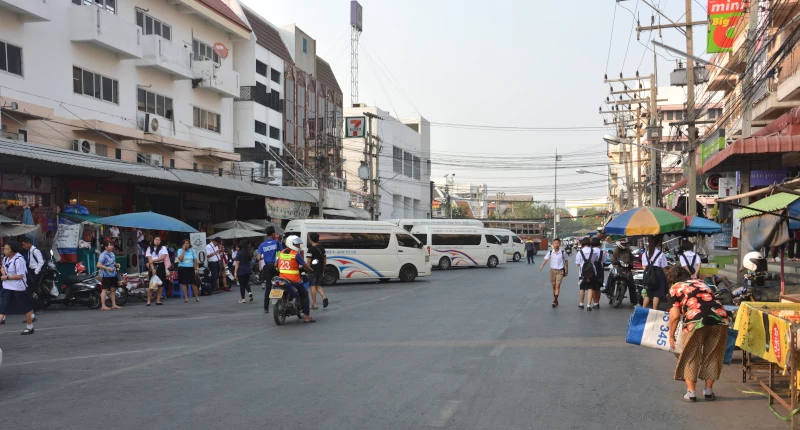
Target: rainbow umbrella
{"points": [[645, 221]]}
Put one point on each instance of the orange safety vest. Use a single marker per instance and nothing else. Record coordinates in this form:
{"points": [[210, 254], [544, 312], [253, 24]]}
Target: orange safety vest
{"points": [[288, 266]]}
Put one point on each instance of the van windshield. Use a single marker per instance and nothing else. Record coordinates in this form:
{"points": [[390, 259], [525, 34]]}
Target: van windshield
{"points": [[422, 238]]}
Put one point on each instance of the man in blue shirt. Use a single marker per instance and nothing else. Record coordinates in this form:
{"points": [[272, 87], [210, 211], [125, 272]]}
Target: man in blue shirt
{"points": [[267, 254]]}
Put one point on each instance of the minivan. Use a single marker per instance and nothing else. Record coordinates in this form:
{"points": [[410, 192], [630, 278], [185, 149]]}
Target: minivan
{"points": [[514, 247], [364, 250], [454, 246]]}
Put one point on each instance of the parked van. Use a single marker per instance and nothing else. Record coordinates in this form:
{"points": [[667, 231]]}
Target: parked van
{"points": [[460, 246], [408, 224], [513, 246], [365, 250]]}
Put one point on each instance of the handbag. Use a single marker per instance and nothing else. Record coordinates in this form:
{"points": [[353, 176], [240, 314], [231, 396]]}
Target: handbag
{"points": [[155, 282], [650, 328]]}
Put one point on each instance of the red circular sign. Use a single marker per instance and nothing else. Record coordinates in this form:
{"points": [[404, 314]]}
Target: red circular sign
{"points": [[221, 49]]}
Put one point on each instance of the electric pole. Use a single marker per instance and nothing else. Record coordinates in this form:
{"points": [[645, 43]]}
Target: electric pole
{"points": [[655, 158], [372, 151], [691, 204], [555, 198]]}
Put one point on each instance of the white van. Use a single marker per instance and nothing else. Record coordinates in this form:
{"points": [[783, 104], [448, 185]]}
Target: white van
{"points": [[450, 246], [514, 247], [365, 250], [408, 224]]}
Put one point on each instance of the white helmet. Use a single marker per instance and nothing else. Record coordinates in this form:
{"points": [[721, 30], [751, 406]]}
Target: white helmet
{"points": [[752, 259], [293, 243]]}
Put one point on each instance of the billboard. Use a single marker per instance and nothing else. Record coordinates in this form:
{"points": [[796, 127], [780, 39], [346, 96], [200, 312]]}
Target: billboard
{"points": [[356, 17], [723, 15], [356, 126]]}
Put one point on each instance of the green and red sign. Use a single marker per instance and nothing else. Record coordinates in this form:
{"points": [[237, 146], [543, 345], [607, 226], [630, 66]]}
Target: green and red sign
{"points": [[723, 15]]}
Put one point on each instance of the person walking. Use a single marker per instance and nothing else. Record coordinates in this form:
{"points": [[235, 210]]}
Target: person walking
{"points": [[157, 256], [559, 265], [13, 297], [213, 251], [224, 259], [705, 329], [599, 270], [243, 269], [35, 265], [529, 251], [689, 260], [108, 264], [187, 270], [585, 259], [267, 254], [317, 260], [653, 256]]}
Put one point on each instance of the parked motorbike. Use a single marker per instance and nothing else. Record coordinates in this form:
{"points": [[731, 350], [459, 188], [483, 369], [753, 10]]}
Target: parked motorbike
{"points": [[79, 289], [284, 299], [638, 283], [135, 284], [620, 274], [204, 284], [753, 288]]}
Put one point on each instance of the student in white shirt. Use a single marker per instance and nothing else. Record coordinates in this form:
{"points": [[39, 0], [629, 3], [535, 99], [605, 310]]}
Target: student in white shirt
{"points": [[13, 298], [655, 257], [213, 251], [157, 256], [690, 260], [35, 265], [586, 255], [559, 266]]}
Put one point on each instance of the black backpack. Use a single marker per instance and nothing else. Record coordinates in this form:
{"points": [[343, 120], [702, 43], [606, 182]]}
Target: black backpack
{"points": [[649, 278], [588, 270], [690, 266]]}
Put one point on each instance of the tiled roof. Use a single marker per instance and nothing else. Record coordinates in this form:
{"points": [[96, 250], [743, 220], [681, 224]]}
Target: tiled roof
{"points": [[325, 75], [267, 36], [223, 9]]}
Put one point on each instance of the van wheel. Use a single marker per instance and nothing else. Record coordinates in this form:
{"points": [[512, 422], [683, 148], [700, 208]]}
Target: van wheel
{"points": [[408, 273], [517, 257], [444, 263], [493, 262], [330, 275]]}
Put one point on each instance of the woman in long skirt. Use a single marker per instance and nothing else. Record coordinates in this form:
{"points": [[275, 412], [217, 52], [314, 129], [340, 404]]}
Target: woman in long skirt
{"points": [[13, 298]]}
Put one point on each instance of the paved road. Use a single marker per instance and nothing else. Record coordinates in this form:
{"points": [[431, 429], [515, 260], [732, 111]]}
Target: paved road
{"points": [[464, 349]]}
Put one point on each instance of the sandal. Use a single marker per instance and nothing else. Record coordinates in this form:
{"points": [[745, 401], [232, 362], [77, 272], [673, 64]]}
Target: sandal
{"points": [[309, 321], [325, 302], [314, 307], [159, 303]]}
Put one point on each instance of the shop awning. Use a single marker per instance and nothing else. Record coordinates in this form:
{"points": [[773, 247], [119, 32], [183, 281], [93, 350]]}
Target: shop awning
{"points": [[761, 152], [773, 203], [348, 213], [14, 151], [77, 217]]}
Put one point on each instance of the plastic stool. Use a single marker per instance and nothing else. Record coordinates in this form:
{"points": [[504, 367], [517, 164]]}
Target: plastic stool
{"points": [[176, 290]]}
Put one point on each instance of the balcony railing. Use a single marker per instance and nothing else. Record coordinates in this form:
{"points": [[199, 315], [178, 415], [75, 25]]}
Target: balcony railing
{"points": [[102, 28], [209, 75], [28, 10], [169, 57]]}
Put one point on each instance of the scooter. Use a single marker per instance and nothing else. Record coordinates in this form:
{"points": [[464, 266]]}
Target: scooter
{"points": [[618, 286], [79, 289], [136, 285], [285, 300]]}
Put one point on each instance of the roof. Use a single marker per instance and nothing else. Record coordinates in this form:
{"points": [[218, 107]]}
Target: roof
{"points": [[267, 36], [11, 149], [221, 8], [773, 203], [326, 76]]}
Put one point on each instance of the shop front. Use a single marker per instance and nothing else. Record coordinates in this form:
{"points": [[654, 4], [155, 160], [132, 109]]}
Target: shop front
{"points": [[101, 198], [30, 199]]}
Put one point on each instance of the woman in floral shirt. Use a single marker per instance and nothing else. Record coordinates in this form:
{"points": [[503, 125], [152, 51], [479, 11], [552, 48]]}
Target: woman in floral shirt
{"points": [[705, 329]]}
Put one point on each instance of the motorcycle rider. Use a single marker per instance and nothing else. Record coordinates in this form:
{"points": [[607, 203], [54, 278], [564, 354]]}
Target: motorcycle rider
{"points": [[623, 257], [288, 263]]}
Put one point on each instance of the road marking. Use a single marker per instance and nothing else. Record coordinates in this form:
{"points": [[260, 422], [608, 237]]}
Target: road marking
{"points": [[498, 350], [450, 407], [112, 354]]}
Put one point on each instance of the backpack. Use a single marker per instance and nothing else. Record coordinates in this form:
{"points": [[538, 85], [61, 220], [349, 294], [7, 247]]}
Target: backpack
{"points": [[598, 265], [649, 278], [691, 266], [588, 270]]}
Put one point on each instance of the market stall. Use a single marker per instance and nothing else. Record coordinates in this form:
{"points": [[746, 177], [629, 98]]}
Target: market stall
{"points": [[768, 338]]}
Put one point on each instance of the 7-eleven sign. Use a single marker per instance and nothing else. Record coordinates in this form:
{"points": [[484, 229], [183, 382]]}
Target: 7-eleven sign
{"points": [[356, 126]]}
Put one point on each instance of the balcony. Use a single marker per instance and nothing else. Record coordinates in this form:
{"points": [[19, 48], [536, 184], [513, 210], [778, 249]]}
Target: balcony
{"points": [[104, 29], [28, 10], [168, 57], [208, 75]]}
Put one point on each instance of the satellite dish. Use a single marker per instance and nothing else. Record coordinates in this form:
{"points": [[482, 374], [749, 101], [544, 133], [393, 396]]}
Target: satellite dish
{"points": [[154, 125], [221, 50]]}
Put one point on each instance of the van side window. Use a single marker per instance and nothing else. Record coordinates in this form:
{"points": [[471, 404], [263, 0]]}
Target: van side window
{"points": [[464, 239], [422, 238], [516, 239], [354, 240], [503, 239], [490, 238], [407, 241]]}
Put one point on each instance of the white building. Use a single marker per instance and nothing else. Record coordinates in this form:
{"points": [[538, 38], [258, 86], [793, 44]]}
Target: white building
{"points": [[404, 169], [135, 80]]}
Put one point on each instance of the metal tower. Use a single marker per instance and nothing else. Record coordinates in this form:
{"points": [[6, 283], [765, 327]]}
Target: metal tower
{"points": [[355, 34]]}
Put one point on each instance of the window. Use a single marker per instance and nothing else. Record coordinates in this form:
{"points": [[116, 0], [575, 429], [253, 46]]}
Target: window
{"points": [[275, 100], [354, 240], [305, 45], [423, 238], [101, 149], [203, 51], [397, 159], [171, 163], [94, 85], [459, 239], [150, 25], [490, 238], [118, 153], [207, 168], [154, 103], [261, 128], [108, 5], [417, 165], [503, 239], [670, 115], [274, 133], [261, 68], [516, 239], [261, 94], [275, 76], [407, 164], [10, 58], [407, 241], [207, 120]]}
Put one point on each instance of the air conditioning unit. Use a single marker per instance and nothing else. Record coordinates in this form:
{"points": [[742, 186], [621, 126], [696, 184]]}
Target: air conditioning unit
{"points": [[84, 146], [270, 168], [150, 124], [154, 159]]}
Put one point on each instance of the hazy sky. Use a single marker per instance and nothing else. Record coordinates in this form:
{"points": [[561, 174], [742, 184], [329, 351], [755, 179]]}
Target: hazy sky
{"points": [[527, 63]]}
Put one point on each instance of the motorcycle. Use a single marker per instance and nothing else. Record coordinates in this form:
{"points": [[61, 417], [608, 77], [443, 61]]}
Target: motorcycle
{"points": [[569, 250], [135, 285], [620, 274], [205, 287], [284, 299], [638, 284], [79, 289]]}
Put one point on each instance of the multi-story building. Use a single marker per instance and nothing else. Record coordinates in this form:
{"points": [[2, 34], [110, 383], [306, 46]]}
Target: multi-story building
{"points": [[404, 167]]}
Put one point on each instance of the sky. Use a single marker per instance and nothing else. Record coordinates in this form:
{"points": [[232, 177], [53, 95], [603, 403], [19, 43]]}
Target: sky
{"points": [[527, 64]]}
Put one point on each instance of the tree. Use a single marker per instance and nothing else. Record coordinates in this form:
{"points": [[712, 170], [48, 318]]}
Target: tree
{"points": [[458, 213]]}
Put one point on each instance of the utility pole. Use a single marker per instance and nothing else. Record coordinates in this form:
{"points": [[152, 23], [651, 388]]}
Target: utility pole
{"points": [[555, 198], [691, 204], [639, 183], [322, 176], [372, 151], [655, 158]]}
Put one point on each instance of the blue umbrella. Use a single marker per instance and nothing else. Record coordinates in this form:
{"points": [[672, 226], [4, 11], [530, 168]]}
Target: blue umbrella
{"points": [[27, 218], [147, 220], [699, 225]]}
